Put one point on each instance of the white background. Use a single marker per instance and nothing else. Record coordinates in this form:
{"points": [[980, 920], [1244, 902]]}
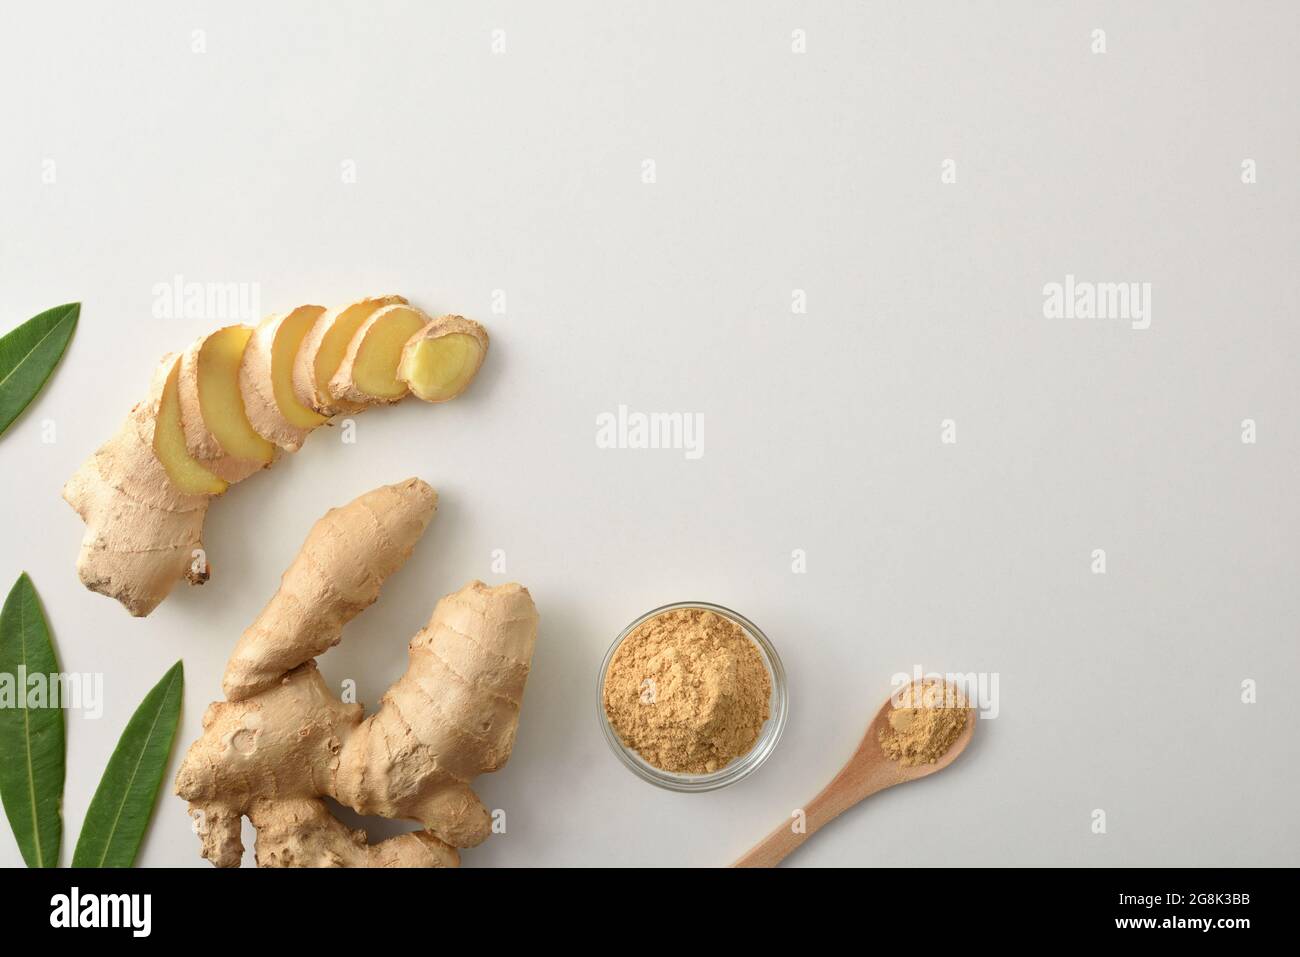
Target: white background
{"points": [[775, 171]]}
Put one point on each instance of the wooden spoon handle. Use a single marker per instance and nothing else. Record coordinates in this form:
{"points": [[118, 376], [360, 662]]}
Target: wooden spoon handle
{"points": [[820, 811], [774, 848], [862, 777]]}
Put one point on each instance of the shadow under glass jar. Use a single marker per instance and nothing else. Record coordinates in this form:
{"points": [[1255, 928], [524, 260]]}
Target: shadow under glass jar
{"points": [[740, 767]]}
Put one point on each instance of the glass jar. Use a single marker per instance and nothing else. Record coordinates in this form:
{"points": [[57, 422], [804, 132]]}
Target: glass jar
{"points": [[740, 767]]}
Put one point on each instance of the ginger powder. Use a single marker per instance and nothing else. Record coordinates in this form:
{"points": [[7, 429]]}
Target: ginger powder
{"points": [[688, 690], [927, 719]]}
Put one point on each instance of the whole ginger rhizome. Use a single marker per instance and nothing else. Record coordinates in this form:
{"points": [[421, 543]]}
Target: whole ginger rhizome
{"points": [[283, 741], [688, 690]]}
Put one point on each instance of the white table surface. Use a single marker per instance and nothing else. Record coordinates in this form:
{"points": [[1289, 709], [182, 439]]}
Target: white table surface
{"points": [[522, 171]]}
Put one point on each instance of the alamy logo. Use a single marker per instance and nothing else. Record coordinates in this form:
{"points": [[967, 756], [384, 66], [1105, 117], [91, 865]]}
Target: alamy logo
{"points": [[1078, 299], [211, 301], [626, 429], [70, 690], [75, 909], [974, 689]]}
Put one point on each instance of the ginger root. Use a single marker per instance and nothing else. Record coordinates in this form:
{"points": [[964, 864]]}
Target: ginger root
{"points": [[368, 372], [323, 350], [223, 411], [217, 431], [282, 740], [441, 360], [185, 471], [143, 533], [266, 379]]}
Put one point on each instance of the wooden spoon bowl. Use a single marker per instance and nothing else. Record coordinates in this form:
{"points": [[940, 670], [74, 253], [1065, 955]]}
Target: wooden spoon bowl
{"points": [[869, 770]]}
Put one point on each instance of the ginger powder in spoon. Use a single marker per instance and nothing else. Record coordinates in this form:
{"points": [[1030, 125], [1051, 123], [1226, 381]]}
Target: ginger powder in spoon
{"points": [[927, 718]]}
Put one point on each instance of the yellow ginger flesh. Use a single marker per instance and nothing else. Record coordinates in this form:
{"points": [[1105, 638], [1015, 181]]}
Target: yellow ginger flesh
{"points": [[220, 400], [185, 471], [440, 361]]}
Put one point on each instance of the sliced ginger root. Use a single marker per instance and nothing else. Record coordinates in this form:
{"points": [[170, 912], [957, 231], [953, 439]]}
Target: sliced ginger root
{"points": [[440, 361], [323, 349], [143, 532], [185, 472], [217, 430], [282, 740], [216, 415], [266, 379], [368, 372]]}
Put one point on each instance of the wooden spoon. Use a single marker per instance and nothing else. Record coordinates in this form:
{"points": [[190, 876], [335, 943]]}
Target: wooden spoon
{"points": [[868, 771]]}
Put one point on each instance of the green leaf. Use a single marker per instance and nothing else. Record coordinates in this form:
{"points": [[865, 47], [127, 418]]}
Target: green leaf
{"points": [[29, 354], [31, 738], [119, 812]]}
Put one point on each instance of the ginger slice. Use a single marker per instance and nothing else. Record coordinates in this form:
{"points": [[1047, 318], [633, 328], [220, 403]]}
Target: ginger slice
{"points": [[185, 472], [217, 430], [266, 379], [440, 361], [323, 349], [368, 372]]}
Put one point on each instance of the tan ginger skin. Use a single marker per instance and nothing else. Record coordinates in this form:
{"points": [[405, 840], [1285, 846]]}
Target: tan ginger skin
{"points": [[256, 385], [203, 446], [283, 740], [308, 390], [343, 386], [143, 534]]}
